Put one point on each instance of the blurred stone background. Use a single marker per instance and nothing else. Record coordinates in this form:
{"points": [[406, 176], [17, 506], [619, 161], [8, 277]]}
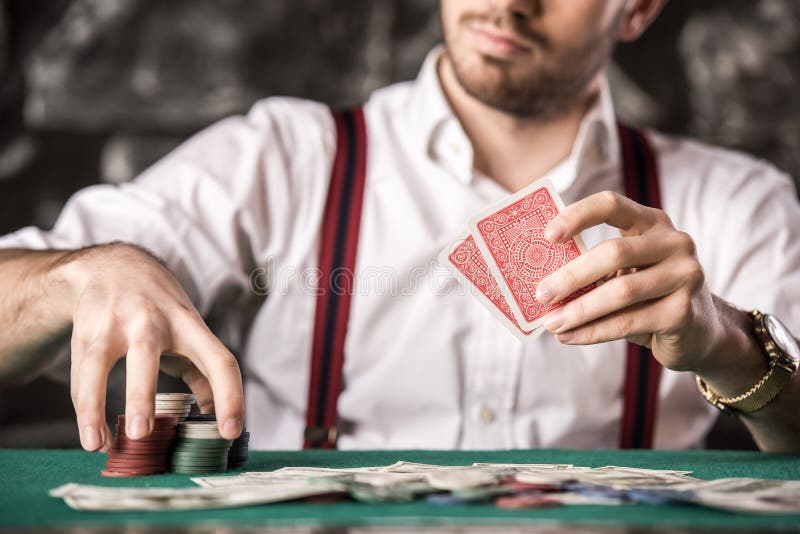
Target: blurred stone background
{"points": [[96, 90]]}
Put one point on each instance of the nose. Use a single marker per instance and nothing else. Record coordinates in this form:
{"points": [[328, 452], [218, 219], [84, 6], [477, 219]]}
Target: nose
{"points": [[526, 8]]}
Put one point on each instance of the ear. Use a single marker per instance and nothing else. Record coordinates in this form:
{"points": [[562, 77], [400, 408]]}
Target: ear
{"points": [[636, 17]]}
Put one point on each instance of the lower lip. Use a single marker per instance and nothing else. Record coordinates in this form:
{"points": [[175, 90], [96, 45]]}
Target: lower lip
{"points": [[494, 45]]}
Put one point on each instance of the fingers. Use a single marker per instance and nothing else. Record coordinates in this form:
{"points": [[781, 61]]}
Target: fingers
{"points": [[141, 381], [91, 365], [181, 367], [222, 371], [226, 383], [636, 323], [615, 295], [608, 257], [605, 207], [201, 387]]}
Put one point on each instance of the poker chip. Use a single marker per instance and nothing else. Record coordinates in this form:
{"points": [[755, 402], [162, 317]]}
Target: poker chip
{"points": [[201, 417], [179, 404], [199, 448], [523, 501], [183, 443], [238, 454], [139, 457]]}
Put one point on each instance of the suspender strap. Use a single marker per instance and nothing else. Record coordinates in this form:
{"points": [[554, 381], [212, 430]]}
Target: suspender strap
{"points": [[339, 241], [337, 261], [642, 370]]}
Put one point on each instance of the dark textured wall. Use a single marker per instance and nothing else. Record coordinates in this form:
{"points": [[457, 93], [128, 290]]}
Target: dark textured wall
{"points": [[96, 90]]}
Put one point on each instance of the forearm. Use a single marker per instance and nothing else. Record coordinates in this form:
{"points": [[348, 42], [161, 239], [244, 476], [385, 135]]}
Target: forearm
{"points": [[35, 310], [735, 365]]}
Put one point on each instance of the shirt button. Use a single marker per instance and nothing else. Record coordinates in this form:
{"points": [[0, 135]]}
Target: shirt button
{"points": [[487, 415]]}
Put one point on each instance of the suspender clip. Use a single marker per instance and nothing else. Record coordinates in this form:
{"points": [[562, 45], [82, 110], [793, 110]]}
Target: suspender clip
{"points": [[322, 434]]}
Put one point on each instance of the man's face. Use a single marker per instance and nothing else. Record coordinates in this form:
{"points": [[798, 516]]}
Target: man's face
{"points": [[529, 58]]}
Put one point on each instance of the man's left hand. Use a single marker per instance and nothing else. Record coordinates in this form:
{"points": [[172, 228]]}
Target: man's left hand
{"points": [[652, 289]]}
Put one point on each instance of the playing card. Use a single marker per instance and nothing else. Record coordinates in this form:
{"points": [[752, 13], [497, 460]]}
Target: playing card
{"points": [[465, 260], [510, 235]]}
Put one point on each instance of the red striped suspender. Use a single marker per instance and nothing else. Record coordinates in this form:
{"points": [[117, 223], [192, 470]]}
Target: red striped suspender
{"points": [[642, 370], [339, 241]]}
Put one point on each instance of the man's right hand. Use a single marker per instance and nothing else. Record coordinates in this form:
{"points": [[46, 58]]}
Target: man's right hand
{"points": [[124, 303]]}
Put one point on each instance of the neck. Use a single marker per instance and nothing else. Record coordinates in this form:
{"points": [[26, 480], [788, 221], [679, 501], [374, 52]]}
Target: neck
{"points": [[513, 151]]}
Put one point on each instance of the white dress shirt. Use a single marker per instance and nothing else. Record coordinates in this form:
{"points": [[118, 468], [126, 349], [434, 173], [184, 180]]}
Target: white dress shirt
{"points": [[238, 207]]}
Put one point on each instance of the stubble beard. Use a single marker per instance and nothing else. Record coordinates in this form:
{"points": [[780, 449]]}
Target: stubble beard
{"points": [[544, 91]]}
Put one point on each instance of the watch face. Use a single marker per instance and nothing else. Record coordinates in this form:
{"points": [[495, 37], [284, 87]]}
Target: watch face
{"points": [[782, 337]]}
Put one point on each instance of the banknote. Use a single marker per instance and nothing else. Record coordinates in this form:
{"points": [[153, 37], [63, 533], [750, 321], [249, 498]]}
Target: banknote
{"points": [[744, 495], [103, 498], [506, 485]]}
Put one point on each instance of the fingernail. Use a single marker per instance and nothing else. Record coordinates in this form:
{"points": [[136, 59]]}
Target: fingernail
{"points": [[90, 438], [544, 293], [232, 428], [554, 231], [138, 427], [554, 321], [566, 337], [104, 438]]}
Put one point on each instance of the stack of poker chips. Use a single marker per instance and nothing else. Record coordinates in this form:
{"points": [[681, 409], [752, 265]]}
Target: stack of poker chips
{"points": [[238, 455], [199, 449], [146, 456], [178, 404]]}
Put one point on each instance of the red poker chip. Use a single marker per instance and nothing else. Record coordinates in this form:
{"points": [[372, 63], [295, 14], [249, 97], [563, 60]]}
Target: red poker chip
{"points": [[135, 453], [138, 453], [154, 462], [157, 431], [156, 441], [138, 468], [152, 437], [137, 472], [153, 456], [128, 466], [151, 441], [519, 502], [140, 447], [133, 466], [107, 473]]}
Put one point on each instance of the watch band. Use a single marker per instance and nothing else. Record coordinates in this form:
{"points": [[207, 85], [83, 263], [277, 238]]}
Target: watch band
{"points": [[766, 389], [762, 393]]}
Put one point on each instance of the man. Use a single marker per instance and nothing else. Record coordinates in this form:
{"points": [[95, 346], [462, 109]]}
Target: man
{"points": [[517, 93]]}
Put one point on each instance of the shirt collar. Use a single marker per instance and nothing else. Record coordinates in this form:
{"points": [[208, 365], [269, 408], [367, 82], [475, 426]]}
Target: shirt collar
{"points": [[437, 130], [429, 110]]}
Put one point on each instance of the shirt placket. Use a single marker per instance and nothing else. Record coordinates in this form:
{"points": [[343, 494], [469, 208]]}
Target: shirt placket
{"points": [[490, 389]]}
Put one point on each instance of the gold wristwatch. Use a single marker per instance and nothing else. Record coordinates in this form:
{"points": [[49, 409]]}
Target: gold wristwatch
{"points": [[783, 356]]}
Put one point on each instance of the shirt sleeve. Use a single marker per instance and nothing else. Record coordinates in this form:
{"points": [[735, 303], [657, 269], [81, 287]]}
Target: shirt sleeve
{"points": [[246, 189], [757, 258], [215, 208]]}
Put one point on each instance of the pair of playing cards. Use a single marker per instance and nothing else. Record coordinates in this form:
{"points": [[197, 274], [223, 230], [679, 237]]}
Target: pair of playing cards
{"points": [[505, 255]]}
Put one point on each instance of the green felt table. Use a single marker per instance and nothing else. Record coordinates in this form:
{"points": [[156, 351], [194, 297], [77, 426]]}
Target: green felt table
{"points": [[27, 475]]}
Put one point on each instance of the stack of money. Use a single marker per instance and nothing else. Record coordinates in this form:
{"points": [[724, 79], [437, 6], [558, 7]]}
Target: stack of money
{"points": [[509, 486], [146, 456], [179, 404], [200, 448]]}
